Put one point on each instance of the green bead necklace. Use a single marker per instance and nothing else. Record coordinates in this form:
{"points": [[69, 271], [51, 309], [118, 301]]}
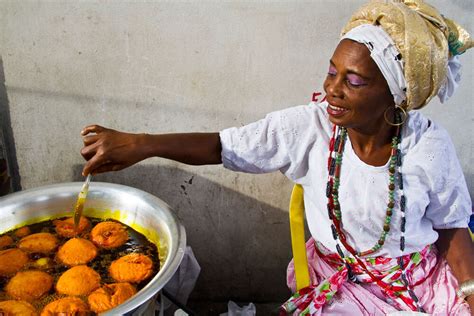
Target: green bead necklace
{"points": [[334, 208]]}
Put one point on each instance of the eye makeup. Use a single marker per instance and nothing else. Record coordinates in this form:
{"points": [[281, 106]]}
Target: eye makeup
{"points": [[356, 80], [352, 78]]}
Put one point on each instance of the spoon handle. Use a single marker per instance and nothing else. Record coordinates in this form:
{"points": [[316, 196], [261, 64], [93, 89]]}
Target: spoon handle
{"points": [[81, 199]]}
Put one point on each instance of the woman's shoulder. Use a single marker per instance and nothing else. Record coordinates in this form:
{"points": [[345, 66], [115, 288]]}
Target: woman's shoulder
{"points": [[428, 148], [420, 132]]}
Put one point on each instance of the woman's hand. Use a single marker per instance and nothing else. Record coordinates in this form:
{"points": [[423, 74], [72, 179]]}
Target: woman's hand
{"points": [[110, 150], [457, 247], [470, 301]]}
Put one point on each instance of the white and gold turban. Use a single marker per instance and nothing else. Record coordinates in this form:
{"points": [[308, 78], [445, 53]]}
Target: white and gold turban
{"points": [[427, 42]]}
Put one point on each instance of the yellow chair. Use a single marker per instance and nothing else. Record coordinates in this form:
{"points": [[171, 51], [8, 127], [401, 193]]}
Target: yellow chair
{"points": [[298, 241]]}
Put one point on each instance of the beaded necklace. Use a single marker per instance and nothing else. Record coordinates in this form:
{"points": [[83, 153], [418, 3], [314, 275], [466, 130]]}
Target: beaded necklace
{"points": [[336, 149]]}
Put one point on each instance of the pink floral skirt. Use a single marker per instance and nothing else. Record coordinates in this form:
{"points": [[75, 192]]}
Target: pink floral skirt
{"points": [[436, 293]]}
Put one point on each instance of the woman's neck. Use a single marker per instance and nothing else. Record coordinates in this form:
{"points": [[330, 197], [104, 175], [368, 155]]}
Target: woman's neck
{"points": [[372, 147]]}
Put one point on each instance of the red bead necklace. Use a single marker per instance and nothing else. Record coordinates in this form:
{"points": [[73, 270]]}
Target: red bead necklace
{"points": [[336, 149]]}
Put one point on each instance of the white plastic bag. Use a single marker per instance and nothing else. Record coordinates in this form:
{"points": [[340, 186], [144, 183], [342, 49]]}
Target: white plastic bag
{"points": [[235, 310], [182, 282]]}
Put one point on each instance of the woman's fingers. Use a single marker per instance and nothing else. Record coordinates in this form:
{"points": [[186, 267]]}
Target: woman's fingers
{"points": [[88, 152], [92, 129], [107, 149], [105, 167], [94, 163], [89, 139]]}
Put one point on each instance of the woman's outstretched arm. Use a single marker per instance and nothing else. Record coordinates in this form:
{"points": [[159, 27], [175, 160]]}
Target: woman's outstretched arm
{"points": [[110, 150]]}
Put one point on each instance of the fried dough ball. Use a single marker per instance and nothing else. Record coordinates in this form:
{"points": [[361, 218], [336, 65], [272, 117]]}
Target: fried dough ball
{"points": [[20, 308], [134, 268], [109, 235], [29, 285], [5, 241], [66, 306], [12, 261], [109, 296], [22, 232], [79, 280], [39, 242], [65, 227], [77, 251]]}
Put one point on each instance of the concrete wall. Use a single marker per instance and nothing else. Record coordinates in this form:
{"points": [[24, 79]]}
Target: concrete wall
{"points": [[197, 66]]}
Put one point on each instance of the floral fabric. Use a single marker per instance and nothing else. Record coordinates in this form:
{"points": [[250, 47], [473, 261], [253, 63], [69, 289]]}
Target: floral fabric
{"points": [[332, 293]]}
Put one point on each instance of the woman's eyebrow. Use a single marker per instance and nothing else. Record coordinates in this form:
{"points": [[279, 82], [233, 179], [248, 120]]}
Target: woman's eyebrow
{"points": [[351, 71]]}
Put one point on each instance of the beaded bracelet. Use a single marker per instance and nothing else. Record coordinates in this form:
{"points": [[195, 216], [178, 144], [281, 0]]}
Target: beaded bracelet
{"points": [[466, 289]]}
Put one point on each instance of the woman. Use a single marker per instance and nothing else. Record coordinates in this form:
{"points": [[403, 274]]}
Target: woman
{"points": [[382, 185]]}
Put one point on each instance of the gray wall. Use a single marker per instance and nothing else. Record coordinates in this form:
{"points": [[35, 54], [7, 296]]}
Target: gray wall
{"points": [[197, 66]]}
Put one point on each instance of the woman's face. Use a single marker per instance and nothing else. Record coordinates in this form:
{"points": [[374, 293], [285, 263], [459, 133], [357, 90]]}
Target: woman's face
{"points": [[355, 88]]}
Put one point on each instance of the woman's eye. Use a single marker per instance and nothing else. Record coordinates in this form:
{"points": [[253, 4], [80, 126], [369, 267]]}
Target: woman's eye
{"points": [[355, 84], [332, 71], [356, 81]]}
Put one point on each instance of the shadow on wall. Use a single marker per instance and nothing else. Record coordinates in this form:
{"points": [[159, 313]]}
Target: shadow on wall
{"points": [[121, 103], [9, 175], [242, 244]]}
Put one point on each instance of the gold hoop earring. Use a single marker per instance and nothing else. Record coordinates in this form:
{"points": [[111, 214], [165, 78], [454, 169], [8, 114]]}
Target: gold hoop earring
{"points": [[398, 122]]}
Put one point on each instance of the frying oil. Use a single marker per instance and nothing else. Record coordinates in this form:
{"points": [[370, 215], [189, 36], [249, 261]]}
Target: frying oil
{"points": [[136, 243]]}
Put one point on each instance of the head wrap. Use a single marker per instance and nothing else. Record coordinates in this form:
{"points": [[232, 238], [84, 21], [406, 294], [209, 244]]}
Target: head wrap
{"points": [[427, 42], [386, 56]]}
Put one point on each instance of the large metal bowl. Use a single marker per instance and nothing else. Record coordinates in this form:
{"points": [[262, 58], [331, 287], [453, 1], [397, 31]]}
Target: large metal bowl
{"points": [[135, 208]]}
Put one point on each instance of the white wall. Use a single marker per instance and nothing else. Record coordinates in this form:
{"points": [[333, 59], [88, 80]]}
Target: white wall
{"points": [[197, 66]]}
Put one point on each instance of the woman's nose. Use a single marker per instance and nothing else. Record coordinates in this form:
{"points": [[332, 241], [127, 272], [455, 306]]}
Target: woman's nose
{"points": [[334, 87]]}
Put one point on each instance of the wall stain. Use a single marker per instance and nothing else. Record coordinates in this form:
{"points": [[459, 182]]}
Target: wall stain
{"points": [[6, 128]]}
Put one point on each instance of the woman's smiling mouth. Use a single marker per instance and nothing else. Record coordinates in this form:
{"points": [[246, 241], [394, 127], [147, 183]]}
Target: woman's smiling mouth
{"points": [[335, 110]]}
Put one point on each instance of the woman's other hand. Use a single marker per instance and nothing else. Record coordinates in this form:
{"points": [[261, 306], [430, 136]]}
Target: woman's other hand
{"points": [[110, 150], [470, 301], [457, 247]]}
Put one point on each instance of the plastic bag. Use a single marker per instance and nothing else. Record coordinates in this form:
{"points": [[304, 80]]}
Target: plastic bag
{"points": [[235, 310], [179, 286]]}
